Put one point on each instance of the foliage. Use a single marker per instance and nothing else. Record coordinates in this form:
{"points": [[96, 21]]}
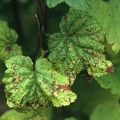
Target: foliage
{"points": [[27, 115], [77, 4], [106, 111], [8, 38], [78, 47], [111, 81], [71, 118], [30, 88], [71, 72], [109, 20]]}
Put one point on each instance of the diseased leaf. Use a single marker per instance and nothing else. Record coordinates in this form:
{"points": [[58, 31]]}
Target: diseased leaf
{"points": [[79, 46], [106, 111], [77, 4], [108, 15], [8, 37], [111, 81], [30, 88]]}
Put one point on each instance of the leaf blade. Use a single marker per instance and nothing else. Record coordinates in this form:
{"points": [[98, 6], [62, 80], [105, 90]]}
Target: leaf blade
{"points": [[28, 88]]}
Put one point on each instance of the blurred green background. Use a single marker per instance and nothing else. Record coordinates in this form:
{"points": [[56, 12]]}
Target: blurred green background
{"points": [[20, 15]]}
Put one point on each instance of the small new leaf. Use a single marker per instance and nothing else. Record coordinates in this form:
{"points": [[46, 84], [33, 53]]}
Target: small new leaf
{"points": [[8, 37], [30, 88], [79, 46]]}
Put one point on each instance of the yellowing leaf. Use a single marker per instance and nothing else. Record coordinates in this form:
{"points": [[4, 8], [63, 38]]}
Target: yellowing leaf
{"points": [[79, 46], [29, 88]]}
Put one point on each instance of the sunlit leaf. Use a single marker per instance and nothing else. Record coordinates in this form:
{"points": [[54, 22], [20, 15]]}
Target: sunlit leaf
{"points": [[26, 87]]}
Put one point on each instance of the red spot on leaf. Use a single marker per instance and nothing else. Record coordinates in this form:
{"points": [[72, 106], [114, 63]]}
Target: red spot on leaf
{"points": [[64, 87], [110, 69], [57, 87]]}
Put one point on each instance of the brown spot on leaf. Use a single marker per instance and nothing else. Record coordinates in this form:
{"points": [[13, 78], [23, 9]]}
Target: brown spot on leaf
{"points": [[64, 87], [110, 69], [56, 87], [8, 48]]}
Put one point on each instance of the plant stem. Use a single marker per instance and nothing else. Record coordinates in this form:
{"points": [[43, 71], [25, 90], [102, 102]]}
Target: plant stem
{"points": [[40, 14]]}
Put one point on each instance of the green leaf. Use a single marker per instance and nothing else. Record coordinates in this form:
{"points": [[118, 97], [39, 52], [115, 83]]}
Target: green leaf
{"points": [[42, 114], [8, 37], [89, 95], [71, 118], [6, 33], [108, 15], [77, 4], [111, 81], [30, 88], [79, 46], [106, 111], [53, 3]]}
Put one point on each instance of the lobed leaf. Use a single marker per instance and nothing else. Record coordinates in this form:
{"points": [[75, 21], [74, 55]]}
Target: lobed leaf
{"points": [[79, 46], [8, 37], [28, 88]]}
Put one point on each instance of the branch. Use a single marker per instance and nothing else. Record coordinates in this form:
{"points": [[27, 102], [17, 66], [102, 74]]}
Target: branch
{"points": [[40, 14]]}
